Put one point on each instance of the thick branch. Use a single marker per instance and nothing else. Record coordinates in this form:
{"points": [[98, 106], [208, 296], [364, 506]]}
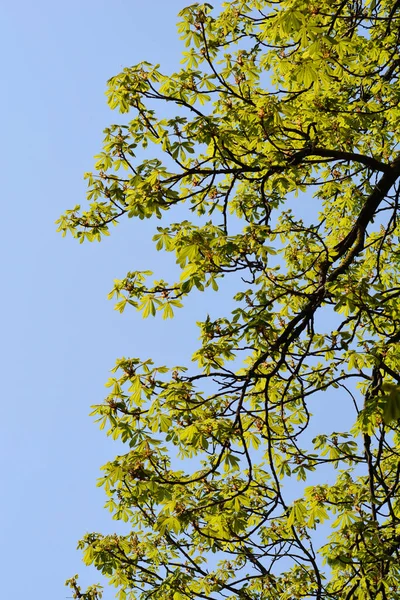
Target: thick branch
{"points": [[368, 161], [367, 213]]}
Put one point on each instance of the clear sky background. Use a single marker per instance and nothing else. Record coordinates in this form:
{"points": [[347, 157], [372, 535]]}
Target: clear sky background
{"points": [[60, 335]]}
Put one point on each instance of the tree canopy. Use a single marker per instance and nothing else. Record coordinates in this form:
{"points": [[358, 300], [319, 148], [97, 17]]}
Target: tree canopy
{"points": [[277, 145]]}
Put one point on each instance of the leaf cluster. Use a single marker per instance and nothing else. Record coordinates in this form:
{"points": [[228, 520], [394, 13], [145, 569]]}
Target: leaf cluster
{"points": [[277, 144]]}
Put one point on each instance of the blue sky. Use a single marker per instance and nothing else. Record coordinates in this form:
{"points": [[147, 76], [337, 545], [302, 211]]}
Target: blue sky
{"points": [[60, 334]]}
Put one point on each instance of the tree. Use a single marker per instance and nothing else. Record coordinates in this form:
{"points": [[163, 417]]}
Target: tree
{"points": [[279, 105]]}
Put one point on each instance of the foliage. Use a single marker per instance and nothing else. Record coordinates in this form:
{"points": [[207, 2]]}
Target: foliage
{"points": [[281, 160]]}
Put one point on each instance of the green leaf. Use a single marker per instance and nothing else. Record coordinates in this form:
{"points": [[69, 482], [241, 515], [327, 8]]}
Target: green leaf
{"points": [[390, 403]]}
